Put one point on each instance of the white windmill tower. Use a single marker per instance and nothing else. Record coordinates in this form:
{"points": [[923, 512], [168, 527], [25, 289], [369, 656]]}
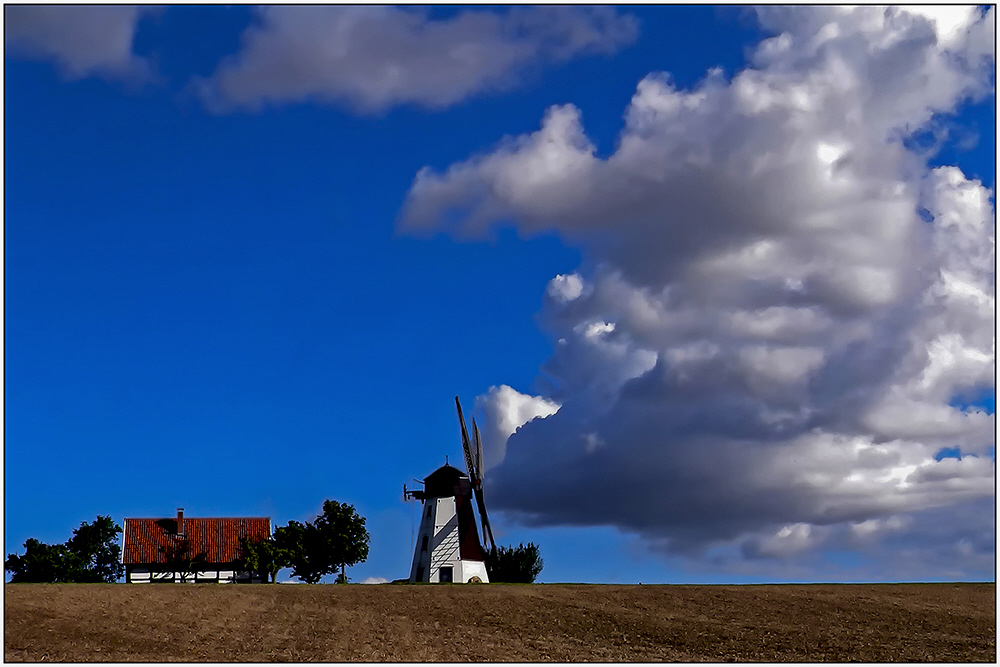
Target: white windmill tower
{"points": [[448, 547]]}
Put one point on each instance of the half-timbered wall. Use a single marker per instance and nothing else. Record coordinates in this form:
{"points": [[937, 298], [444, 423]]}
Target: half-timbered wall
{"points": [[144, 574]]}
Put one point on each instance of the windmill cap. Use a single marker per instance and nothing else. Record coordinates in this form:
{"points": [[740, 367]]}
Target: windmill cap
{"points": [[446, 481]]}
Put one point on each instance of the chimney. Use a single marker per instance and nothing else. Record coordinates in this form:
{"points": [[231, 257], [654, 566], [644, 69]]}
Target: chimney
{"points": [[180, 522]]}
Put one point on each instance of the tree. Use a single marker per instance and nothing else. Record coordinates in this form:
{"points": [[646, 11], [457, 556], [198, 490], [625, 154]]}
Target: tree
{"points": [[336, 539], [283, 549], [341, 536], [98, 554], [516, 565], [41, 564], [301, 544], [92, 555], [259, 556]]}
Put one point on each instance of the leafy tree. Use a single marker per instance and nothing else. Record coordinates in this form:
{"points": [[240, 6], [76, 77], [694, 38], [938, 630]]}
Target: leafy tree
{"points": [[515, 565], [92, 555], [260, 556], [336, 539], [98, 555], [283, 549], [301, 543], [41, 564], [341, 537]]}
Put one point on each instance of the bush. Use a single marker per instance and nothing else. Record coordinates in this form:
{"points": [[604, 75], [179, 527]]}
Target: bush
{"points": [[514, 565]]}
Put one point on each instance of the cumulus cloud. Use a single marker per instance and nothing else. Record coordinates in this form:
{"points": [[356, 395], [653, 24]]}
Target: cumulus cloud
{"points": [[375, 580], [371, 58], [506, 410], [787, 541], [565, 287], [765, 354], [83, 40]]}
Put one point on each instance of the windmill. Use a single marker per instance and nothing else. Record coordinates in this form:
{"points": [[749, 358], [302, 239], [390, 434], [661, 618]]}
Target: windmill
{"points": [[448, 548]]}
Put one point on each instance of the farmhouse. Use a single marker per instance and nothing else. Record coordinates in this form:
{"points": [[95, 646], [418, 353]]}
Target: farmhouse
{"points": [[190, 550]]}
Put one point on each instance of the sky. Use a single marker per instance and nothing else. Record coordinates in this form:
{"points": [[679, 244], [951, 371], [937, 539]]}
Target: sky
{"points": [[717, 283]]}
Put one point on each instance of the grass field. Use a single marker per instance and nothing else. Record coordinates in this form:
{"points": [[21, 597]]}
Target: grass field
{"points": [[553, 622]]}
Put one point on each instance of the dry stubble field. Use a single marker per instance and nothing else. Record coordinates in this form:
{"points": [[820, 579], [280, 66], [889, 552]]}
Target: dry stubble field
{"points": [[555, 622]]}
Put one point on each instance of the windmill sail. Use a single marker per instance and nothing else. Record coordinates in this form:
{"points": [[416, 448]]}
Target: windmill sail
{"points": [[477, 487], [487, 531], [474, 463], [466, 447], [479, 451]]}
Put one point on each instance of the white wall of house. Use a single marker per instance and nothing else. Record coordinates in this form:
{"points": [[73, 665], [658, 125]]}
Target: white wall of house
{"points": [[141, 575]]}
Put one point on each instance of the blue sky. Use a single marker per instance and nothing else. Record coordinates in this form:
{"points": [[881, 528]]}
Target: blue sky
{"points": [[244, 275]]}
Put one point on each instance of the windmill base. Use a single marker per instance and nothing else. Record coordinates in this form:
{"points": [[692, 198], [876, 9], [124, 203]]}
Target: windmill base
{"points": [[457, 572], [474, 571]]}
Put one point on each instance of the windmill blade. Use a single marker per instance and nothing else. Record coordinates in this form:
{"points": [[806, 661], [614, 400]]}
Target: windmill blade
{"points": [[466, 447], [487, 531], [479, 452]]}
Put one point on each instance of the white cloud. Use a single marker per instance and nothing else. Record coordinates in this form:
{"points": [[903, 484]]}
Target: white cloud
{"points": [[950, 21], [869, 529], [507, 410], [371, 58], [764, 356], [375, 580], [787, 541], [565, 288], [780, 366], [84, 40]]}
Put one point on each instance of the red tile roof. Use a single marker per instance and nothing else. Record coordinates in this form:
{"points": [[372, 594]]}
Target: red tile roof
{"points": [[218, 538]]}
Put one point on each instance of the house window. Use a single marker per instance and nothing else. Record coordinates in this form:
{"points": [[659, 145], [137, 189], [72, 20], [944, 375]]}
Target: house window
{"points": [[420, 574], [423, 544], [445, 575]]}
